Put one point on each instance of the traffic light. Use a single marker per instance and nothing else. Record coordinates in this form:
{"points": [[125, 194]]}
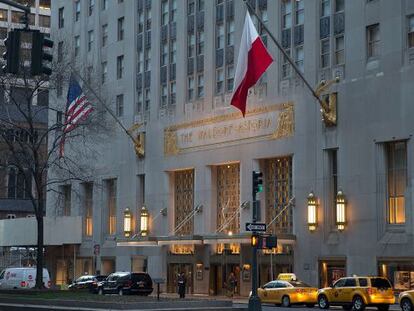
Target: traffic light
{"points": [[40, 54], [11, 55], [257, 182]]}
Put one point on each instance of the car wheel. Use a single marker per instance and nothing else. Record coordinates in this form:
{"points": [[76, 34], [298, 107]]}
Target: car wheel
{"points": [[383, 307], [100, 291], [285, 301], [358, 303], [406, 305], [120, 292], [323, 302], [310, 305], [347, 307]]}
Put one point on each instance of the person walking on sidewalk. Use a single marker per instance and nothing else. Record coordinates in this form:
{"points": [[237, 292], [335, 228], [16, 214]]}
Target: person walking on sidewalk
{"points": [[181, 285], [231, 284]]}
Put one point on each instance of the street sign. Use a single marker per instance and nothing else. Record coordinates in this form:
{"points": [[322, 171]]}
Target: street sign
{"points": [[255, 226]]}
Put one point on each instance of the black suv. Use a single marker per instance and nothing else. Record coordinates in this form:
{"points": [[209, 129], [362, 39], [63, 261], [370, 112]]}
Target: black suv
{"points": [[122, 283]]}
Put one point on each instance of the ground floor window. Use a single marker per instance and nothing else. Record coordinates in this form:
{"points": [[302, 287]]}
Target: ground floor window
{"points": [[400, 273]]}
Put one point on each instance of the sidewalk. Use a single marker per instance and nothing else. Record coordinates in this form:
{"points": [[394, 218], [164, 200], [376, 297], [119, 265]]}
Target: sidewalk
{"points": [[235, 299]]}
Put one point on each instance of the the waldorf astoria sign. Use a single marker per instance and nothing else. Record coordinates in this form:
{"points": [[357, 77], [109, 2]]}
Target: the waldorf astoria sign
{"points": [[270, 122]]}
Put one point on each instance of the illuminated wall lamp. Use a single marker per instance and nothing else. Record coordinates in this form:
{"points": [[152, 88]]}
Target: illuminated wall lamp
{"points": [[144, 221], [127, 222], [340, 211], [312, 212]]}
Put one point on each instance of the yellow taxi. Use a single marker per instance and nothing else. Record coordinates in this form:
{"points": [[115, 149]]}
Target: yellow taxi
{"points": [[287, 293], [357, 293], [406, 300]]}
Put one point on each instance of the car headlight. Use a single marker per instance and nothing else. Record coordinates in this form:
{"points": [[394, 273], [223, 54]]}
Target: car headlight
{"points": [[250, 294]]}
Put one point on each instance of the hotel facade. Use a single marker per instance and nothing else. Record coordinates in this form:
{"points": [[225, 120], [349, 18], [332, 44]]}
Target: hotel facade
{"points": [[180, 199]]}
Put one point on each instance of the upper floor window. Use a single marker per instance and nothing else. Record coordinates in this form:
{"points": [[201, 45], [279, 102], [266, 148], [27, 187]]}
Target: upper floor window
{"points": [[325, 7], [91, 6], [120, 105], [410, 32], [104, 34], [120, 67], [120, 28], [77, 45], [164, 12], [396, 156], [77, 10], [90, 40], [373, 41], [286, 14], [104, 70], [61, 18], [104, 4], [300, 12], [339, 5], [44, 4], [19, 184]]}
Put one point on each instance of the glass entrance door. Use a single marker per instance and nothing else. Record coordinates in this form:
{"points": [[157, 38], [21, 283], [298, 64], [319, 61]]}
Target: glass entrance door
{"points": [[174, 269]]}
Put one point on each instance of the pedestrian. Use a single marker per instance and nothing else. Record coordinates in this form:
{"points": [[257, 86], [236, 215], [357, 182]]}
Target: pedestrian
{"points": [[181, 285], [231, 283]]}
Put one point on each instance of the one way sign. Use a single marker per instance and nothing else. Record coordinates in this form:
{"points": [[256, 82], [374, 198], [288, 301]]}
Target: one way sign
{"points": [[257, 226]]}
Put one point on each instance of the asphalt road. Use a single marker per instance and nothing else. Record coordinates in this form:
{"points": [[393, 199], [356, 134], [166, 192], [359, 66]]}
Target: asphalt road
{"points": [[270, 307]]}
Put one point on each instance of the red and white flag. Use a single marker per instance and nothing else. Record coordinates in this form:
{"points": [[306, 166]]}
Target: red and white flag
{"points": [[253, 61]]}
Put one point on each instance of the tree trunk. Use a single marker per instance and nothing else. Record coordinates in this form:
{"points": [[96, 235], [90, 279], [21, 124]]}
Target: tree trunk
{"points": [[39, 255]]}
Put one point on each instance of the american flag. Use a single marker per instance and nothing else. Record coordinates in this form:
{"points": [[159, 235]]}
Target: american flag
{"points": [[77, 109]]}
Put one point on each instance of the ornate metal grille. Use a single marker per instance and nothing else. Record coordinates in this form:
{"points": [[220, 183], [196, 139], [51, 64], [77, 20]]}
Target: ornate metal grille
{"points": [[183, 201], [228, 197], [278, 193]]}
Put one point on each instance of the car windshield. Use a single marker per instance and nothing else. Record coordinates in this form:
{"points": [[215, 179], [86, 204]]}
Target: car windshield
{"points": [[380, 283], [298, 284]]}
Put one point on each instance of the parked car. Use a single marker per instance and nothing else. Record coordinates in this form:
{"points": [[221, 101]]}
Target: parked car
{"points": [[22, 278], [287, 293], [357, 293], [87, 282], [406, 300], [122, 283]]}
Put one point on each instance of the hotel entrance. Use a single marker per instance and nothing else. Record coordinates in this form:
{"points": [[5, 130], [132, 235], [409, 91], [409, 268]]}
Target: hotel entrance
{"points": [[174, 269], [219, 279]]}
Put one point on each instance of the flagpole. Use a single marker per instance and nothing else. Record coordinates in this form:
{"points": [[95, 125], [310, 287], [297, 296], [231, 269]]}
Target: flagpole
{"points": [[292, 63], [104, 105]]}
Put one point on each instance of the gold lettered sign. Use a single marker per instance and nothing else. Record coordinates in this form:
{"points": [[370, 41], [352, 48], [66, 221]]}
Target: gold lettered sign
{"points": [[270, 122]]}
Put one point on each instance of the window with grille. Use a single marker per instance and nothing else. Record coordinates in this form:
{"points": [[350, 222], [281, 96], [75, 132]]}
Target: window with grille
{"points": [[183, 202], [278, 194]]}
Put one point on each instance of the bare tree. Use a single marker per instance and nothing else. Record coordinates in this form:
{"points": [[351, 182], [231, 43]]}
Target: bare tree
{"points": [[31, 132]]}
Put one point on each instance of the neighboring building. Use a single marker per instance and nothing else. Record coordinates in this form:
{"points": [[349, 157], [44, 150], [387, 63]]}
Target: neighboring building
{"points": [[14, 201], [169, 64]]}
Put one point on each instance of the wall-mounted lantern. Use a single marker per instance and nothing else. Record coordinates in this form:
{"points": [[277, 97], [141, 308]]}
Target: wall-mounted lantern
{"points": [[340, 211], [144, 221], [312, 212], [127, 222]]}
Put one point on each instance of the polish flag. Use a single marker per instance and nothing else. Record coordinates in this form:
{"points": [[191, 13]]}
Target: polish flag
{"points": [[253, 61]]}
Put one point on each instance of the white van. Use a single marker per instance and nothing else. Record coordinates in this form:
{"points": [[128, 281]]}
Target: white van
{"points": [[19, 278]]}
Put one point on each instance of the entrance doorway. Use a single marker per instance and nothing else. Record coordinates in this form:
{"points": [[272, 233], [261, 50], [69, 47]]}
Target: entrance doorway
{"points": [[174, 269], [219, 276], [330, 271]]}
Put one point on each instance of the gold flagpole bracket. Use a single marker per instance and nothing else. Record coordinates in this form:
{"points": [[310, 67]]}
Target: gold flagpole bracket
{"points": [[327, 101], [138, 139]]}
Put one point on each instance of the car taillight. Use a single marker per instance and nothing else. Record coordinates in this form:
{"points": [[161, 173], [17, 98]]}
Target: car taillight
{"points": [[371, 291], [300, 290], [22, 284]]}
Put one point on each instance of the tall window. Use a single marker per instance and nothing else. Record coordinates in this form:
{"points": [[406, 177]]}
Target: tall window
{"points": [[104, 70], [331, 32], [396, 181], [88, 208], [373, 41], [77, 10], [18, 186], [65, 193], [104, 34], [90, 40], [120, 105], [183, 201], [60, 52], [91, 6], [77, 45], [200, 85], [333, 178], [120, 29], [61, 18], [111, 205], [410, 31], [120, 67], [104, 4]]}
